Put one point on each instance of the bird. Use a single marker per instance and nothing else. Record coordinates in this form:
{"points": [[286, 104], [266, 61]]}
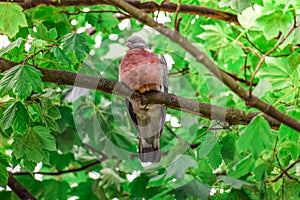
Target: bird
{"points": [[144, 71]]}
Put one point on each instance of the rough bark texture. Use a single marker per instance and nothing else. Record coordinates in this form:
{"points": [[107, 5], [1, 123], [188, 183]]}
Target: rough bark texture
{"points": [[230, 115], [150, 6]]}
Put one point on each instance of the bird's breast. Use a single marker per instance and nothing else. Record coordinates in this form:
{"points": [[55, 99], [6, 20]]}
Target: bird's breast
{"points": [[141, 70]]}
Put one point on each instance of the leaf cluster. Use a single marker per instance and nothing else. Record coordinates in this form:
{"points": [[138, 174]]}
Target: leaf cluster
{"points": [[82, 142]]}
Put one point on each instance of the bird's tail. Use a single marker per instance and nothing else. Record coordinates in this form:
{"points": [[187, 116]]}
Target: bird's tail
{"points": [[149, 149]]}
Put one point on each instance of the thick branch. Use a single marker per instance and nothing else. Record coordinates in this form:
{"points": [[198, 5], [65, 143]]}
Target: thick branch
{"points": [[201, 57], [150, 6], [229, 115], [19, 189]]}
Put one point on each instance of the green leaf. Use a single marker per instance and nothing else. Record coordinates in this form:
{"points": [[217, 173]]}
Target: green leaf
{"points": [[289, 148], [43, 33], [237, 5], [272, 23], [21, 80], [11, 18], [213, 35], [47, 139], [248, 16], [214, 158], [85, 190], [60, 56], [242, 168], [235, 183], [105, 22], [77, 44], [277, 72], [231, 52], [287, 132], [54, 190], [3, 170], [34, 145], [67, 140], [16, 117], [256, 137], [12, 45], [179, 166], [228, 148], [49, 114], [262, 87], [138, 188], [60, 161], [208, 144], [193, 188]]}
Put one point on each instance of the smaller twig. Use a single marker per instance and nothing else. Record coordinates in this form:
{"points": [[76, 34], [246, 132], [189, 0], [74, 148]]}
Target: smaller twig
{"points": [[248, 49], [235, 77], [254, 45], [184, 71], [177, 20], [281, 41], [285, 171], [262, 58], [261, 61], [62, 172], [91, 11]]}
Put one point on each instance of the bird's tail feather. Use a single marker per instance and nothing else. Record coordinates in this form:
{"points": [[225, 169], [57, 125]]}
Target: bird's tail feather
{"points": [[149, 149]]}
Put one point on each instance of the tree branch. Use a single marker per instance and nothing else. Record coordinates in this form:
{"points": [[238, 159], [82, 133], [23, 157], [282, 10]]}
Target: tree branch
{"points": [[229, 115], [263, 57], [63, 172], [18, 188], [149, 6], [285, 171], [201, 57]]}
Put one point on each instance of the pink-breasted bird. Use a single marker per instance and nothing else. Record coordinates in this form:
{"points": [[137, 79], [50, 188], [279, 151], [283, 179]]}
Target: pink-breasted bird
{"points": [[144, 71]]}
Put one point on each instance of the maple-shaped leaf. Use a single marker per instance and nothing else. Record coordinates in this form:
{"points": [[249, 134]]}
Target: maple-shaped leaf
{"points": [[34, 145], [213, 35], [214, 158], [49, 114], [76, 43], [61, 57], [272, 23], [208, 144], [237, 5], [42, 33], [256, 137], [235, 183], [16, 43], [56, 189], [21, 80], [11, 18], [193, 188], [179, 166], [16, 117]]}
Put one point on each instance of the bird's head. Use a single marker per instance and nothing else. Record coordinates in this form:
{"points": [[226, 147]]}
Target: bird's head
{"points": [[136, 42]]}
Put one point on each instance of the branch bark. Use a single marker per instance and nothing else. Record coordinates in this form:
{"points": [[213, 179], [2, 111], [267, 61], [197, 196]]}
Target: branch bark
{"points": [[149, 6], [201, 57], [19, 189], [230, 115], [92, 164]]}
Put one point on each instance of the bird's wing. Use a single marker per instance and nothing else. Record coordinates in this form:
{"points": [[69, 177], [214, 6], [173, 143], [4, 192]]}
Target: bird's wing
{"points": [[165, 90], [131, 113], [165, 78]]}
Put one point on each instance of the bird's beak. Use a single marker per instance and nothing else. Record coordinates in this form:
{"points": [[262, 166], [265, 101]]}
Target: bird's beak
{"points": [[128, 44]]}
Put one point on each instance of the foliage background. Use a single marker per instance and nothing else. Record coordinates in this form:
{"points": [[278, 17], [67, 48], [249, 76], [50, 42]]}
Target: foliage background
{"points": [[61, 142]]}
